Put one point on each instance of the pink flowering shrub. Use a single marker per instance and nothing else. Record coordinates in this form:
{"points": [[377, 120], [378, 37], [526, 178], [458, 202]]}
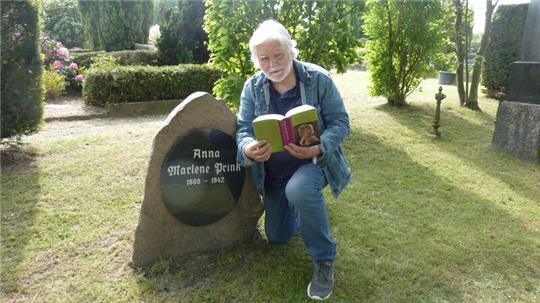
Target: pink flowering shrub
{"points": [[57, 58], [62, 52], [58, 65]]}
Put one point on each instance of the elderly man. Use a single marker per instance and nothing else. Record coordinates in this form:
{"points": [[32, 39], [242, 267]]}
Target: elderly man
{"points": [[291, 181]]}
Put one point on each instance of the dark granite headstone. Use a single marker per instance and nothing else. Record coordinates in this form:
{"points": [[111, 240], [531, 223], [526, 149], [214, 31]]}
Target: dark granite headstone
{"points": [[525, 82], [530, 44], [200, 180], [517, 129], [525, 76], [197, 198]]}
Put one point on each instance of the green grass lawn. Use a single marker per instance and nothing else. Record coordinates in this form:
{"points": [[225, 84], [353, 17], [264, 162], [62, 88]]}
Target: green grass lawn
{"points": [[424, 220]]}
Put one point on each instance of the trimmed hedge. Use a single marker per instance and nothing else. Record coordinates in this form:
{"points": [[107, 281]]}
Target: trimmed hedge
{"points": [[85, 59], [136, 57], [22, 91], [147, 83], [505, 45], [125, 57], [77, 50]]}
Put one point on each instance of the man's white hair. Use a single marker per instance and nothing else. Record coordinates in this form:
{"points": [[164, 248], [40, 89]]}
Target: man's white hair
{"points": [[271, 30]]}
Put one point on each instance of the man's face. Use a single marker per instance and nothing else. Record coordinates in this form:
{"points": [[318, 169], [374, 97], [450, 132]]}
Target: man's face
{"points": [[275, 60]]}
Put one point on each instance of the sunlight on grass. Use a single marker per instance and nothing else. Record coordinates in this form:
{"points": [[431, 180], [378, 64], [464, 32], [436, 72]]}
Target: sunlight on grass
{"points": [[424, 220]]}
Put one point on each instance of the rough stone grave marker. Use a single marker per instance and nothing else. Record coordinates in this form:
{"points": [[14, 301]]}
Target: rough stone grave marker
{"points": [[196, 198]]}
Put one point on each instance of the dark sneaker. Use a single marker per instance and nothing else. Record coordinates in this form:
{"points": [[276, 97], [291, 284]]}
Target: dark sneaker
{"points": [[322, 281]]}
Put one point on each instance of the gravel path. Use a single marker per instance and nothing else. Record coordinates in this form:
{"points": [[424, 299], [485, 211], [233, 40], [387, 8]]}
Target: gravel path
{"points": [[71, 108], [69, 115]]}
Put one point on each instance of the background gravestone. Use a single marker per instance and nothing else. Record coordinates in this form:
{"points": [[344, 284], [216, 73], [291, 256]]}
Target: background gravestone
{"points": [[197, 198], [517, 130]]}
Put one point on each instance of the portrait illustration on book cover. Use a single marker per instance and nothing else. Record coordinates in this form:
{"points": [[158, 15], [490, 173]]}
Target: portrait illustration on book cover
{"points": [[308, 134], [299, 126]]}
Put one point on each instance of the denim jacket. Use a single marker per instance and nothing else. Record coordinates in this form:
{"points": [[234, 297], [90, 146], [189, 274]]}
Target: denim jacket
{"points": [[316, 89]]}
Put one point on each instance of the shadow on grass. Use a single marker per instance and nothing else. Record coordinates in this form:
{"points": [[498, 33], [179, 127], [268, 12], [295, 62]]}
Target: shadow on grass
{"points": [[249, 272], [19, 195], [403, 233], [406, 234], [469, 142]]}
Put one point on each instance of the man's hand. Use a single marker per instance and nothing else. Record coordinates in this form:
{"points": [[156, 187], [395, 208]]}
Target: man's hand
{"points": [[302, 152], [258, 150]]}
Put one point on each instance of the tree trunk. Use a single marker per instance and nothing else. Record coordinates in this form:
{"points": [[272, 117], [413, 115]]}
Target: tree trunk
{"points": [[460, 51], [472, 99]]}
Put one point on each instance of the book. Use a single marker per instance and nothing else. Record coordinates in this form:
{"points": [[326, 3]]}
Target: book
{"points": [[298, 126]]}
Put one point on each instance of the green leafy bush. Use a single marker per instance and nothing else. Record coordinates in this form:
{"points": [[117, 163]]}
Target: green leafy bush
{"points": [[404, 38], [126, 57], [229, 88], [63, 21], [505, 45], [86, 59], [103, 61], [326, 32], [119, 84], [53, 84], [22, 66]]}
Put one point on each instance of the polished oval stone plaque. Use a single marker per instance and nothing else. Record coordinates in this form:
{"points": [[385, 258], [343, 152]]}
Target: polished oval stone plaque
{"points": [[200, 180]]}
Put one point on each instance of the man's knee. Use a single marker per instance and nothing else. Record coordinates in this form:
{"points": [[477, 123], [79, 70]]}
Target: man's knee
{"points": [[305, 185], [295, 192], [299, 193]]}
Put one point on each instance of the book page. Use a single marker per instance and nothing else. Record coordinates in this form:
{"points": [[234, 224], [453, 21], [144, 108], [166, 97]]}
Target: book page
{"points": [[268, 128]]}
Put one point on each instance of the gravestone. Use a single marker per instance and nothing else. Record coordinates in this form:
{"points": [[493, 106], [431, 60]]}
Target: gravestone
{"points": [[196, 197], [517, 130]]}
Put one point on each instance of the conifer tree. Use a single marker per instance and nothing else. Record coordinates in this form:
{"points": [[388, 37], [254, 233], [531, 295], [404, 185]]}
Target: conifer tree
{"points": [[22, 66], [116, 25]]}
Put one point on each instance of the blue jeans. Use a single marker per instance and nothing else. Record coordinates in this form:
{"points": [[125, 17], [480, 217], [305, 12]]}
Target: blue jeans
{"points": [[300, 204]]}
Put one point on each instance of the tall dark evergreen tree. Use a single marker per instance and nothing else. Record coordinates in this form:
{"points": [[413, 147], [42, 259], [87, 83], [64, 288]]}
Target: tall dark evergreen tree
{"points": [[22, 95], [505, 46], [116, 25], [183, 39], [160, 8]]}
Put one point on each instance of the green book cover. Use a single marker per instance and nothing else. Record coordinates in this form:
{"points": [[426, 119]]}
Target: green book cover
{"points": [[299, 126]]}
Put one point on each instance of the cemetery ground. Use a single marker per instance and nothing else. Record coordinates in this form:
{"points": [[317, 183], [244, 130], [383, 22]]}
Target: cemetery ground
{"points": [[424, 220]]}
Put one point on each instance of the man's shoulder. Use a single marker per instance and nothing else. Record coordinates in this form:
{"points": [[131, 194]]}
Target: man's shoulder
{"points": [[314, 69], [255, 78]]}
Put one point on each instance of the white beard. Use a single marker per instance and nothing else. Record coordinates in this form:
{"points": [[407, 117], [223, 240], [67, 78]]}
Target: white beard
{"points": [[281, 76]]}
